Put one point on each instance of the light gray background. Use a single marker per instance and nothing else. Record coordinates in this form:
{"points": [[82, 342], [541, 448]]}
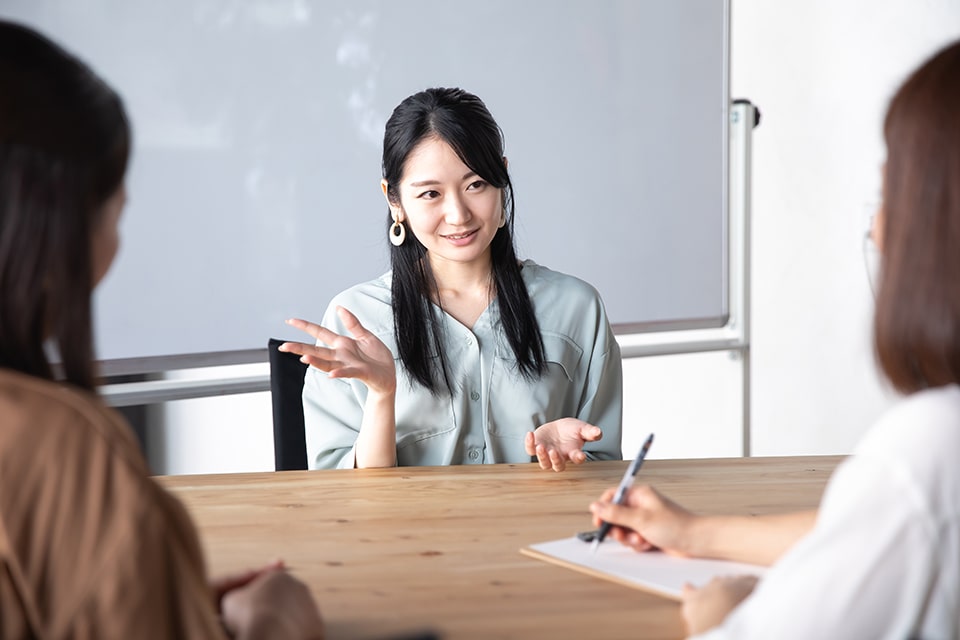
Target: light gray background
{"points": [[254, 188]]}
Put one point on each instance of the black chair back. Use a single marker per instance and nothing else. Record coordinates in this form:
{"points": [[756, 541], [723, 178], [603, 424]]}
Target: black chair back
{"points": [[286, 390]]}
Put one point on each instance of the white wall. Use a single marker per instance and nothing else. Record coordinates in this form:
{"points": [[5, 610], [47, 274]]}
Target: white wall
{"points": [[223, 434], [821, 72]]}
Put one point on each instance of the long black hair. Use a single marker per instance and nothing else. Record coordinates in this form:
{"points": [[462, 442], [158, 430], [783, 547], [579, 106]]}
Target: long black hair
{"points": [[64, 144], [461, 120]]}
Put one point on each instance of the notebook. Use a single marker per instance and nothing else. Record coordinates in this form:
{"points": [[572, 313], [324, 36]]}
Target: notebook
{"points": [[651, 571]]}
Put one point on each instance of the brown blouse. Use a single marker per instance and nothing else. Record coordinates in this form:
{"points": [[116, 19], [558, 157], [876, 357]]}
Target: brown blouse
{"points": [[90, 545]]}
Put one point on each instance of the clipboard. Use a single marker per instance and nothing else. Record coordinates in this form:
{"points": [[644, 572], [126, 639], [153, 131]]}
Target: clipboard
{"points": [[652, 571]]}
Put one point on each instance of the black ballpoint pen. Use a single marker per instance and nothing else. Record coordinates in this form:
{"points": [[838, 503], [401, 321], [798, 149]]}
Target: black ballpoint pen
{"points": [[625, 484]]}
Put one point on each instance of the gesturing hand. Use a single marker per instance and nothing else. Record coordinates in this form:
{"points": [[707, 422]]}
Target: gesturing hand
{"points": [[363, 357], [561, 441]]}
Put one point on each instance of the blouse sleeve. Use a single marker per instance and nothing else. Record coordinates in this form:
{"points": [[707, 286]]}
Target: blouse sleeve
{"points": [[332, 411], [332, 415], [603, 393], [123, 559], [153, 584]]}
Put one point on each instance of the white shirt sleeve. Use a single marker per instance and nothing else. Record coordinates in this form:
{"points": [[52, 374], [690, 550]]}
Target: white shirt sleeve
{"points": [[862, 572]]}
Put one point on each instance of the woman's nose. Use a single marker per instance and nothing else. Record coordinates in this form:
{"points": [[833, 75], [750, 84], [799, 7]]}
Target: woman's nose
{"points": [[456, 211]]}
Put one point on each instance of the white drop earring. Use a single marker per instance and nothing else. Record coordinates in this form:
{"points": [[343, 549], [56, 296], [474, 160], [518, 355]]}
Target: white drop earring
{"points": [[398, 232]]}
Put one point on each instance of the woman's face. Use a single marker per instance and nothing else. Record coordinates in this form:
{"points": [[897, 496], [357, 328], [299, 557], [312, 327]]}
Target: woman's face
{"points": [[451, 210], [106, 234]]}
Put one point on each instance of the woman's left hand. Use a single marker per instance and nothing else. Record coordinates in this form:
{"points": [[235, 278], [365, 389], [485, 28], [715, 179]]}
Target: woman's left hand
{"points": [[706, 607], [561, 441]]}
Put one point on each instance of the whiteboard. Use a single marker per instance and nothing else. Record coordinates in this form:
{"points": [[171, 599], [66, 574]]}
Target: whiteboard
{"points": [[254, 184]]}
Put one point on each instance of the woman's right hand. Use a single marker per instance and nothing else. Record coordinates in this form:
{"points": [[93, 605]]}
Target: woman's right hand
{"points": [[646, 520], [273, 605], [708, 606], [363, 357]]}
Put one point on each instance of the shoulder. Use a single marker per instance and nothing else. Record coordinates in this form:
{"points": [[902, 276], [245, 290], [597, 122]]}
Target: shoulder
{"points": [[917, 440], [70, 464], [548, 286], [39, 413], [54, 434], [567, 306], [371, 302], [919, 425], [376, 291]]}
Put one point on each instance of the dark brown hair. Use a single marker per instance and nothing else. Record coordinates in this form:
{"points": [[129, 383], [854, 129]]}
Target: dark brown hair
{"points": [[917, 320], [64, 143]]}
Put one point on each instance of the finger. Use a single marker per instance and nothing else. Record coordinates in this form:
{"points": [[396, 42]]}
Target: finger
{"points": [[605, 498], [590, 433], [321, 363], [543, 457], [640, 495], [687, 591], [322, 334], [303, 349], [303, 325], [298, 348], [637, 541], [557, 461], [351, 323], [294, 347], [611, 513], [530, 443], [577, 456], [222, 584], [229, 582]]}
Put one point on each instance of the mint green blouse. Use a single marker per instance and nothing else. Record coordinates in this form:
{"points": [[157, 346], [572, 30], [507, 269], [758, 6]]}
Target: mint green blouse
{"points": [[492, 406]]}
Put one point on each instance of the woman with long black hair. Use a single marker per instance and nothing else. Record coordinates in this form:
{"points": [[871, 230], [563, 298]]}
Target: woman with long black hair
{"points": [[461, 353]]}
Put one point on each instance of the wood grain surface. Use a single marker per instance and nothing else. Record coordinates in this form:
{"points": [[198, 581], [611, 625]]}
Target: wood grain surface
{"points": [[390, 553]]}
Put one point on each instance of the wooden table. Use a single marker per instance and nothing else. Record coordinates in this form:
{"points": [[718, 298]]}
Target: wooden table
{"points": [[389, 552]]}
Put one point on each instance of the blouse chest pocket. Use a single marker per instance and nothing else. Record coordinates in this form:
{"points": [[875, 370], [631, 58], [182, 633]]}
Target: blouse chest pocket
{"points": [[561, 351], [420, 414], [520, 404]]}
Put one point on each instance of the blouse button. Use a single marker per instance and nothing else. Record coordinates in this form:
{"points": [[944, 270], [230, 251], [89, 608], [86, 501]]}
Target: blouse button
{"points": [[474, 454], [474, 396]]}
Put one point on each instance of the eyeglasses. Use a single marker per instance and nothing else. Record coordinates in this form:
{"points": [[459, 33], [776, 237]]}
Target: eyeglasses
{"points": [[871, 255]]}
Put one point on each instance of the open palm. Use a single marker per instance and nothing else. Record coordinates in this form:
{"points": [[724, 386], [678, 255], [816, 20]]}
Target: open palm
{"points": [[560, 441], [362, 357]]}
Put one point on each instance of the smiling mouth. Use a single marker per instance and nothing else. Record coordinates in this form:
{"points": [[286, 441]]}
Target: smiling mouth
{"points": [[459, 236]]}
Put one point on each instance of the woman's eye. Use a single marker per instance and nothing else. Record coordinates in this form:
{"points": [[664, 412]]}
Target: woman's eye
{"points": [[477, 184], [429, 195]]}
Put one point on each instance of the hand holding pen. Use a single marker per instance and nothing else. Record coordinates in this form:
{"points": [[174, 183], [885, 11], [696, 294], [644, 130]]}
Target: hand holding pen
{"points": [[625, 485], [645, 519]]}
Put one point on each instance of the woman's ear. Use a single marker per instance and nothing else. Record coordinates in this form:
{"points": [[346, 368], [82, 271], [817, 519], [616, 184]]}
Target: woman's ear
{"points": [[394, 206], [506, 163]]}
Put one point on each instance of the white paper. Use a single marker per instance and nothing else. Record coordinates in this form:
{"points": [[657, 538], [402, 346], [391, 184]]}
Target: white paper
{"points": [[653, 570]]}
